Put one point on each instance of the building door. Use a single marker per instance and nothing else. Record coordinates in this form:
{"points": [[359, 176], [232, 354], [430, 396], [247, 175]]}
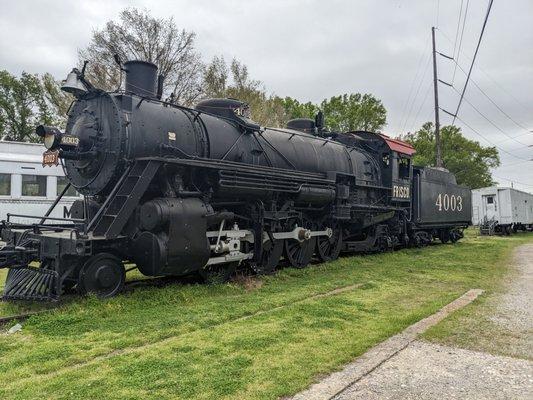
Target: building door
{"points": [[490, 207]]}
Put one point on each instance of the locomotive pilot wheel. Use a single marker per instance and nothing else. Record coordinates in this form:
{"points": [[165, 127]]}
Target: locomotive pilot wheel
{"points": [[329, 248], [103, 275]]}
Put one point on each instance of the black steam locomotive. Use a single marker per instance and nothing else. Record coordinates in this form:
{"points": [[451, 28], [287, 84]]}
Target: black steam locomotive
{"points": [[179, 191]]}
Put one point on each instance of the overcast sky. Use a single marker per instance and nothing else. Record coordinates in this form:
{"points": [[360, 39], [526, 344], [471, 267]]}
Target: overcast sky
{"points": [[311, 50]]}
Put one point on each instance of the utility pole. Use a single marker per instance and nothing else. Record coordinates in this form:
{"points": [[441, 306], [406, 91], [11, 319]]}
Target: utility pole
{"points": [[436, 91]]}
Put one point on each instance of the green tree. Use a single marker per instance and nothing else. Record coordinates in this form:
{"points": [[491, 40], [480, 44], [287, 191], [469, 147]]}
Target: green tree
{"points": [[23, 105], [467, 159], [234, 81], [349, 112], [294, 109]]}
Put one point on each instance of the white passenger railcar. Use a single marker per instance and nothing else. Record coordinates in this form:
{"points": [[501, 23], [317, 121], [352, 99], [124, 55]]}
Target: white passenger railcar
{"points": [[26, 187], [502, 209]]}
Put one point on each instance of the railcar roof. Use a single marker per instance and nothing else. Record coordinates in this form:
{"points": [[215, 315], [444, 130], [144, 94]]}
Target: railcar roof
{"points": [[21, 152], [498, 187], [396, 145]]}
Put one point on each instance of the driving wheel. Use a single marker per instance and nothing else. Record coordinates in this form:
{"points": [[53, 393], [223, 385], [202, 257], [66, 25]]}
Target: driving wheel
{"points": [[270, 257], [299, 254], [329, 248]]}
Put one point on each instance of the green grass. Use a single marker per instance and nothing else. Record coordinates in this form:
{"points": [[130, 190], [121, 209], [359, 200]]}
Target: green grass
{"points": [[207, 342]]}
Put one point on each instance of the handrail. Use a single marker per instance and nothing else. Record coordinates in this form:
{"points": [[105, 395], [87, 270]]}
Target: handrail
{"points": [[40, 216]]}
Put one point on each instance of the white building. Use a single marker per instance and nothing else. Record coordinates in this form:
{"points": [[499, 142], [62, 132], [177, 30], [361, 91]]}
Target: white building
{"points": [[26, 187], [506, 207]]}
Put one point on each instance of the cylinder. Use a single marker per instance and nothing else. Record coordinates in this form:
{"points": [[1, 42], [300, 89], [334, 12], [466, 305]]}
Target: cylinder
{"points": [[155, 214], [141, 78]]}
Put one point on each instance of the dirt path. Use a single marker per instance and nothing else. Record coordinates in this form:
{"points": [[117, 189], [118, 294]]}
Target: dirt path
{"points": [[514, 310], [422, 370]]}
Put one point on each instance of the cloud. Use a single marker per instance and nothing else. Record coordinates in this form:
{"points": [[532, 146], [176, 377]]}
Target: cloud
{"points": [[315, 49]]}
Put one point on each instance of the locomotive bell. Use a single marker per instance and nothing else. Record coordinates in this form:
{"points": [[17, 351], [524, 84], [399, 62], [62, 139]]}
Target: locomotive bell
{"points": [[73, 84]]}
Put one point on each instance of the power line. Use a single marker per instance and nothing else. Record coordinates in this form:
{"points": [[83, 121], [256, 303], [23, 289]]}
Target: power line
{"points": [[416, 94], [473, 59], [492, 143], [515, 163], [421, 105], [418, 69], [457, 65], [492, 101], [505, 90], [487, 75], [513, 181], [461, 39], [490, 121], [517, 136], [457, 29]]}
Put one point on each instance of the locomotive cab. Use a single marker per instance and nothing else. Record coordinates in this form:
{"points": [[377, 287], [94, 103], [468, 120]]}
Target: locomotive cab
{"points": [[394, 157]]}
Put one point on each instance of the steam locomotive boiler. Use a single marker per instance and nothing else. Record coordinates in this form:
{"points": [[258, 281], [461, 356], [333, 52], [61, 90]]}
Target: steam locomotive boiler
{"points": [[205, 190]]}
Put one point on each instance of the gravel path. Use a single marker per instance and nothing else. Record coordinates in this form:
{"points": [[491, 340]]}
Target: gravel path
{"points": [[429, 371], [514, 310]]}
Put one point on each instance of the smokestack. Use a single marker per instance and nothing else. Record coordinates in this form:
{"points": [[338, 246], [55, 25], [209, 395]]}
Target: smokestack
{"points": [[141, 78]]}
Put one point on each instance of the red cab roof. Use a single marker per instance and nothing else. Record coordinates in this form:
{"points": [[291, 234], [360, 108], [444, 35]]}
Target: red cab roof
{"points": [[398, 145]]}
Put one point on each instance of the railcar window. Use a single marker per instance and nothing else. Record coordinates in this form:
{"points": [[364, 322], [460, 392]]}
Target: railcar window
{"points": [[403, 168], [61, 183], [5, 185], [33, 185]]}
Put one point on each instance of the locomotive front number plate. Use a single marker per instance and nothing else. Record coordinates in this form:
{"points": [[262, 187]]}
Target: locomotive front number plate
{"points": [[70, 140], [50, 158]]}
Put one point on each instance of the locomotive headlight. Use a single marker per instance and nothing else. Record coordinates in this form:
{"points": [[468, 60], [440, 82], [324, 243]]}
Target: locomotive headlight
{"points": [[51, 136], [49, 141]]}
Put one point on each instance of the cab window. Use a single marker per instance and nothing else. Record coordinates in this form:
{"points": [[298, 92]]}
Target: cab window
{"points": [[403, 167], [386, 159]]}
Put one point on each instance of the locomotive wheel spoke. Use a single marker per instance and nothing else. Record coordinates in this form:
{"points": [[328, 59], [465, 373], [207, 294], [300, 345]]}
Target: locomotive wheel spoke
{"points": [[299, 254], [271, 254], [329, 248]]}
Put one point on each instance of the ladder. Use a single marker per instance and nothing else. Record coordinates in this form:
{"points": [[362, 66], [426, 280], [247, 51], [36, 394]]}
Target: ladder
{"points": [[121, 202], [488, 227]]}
